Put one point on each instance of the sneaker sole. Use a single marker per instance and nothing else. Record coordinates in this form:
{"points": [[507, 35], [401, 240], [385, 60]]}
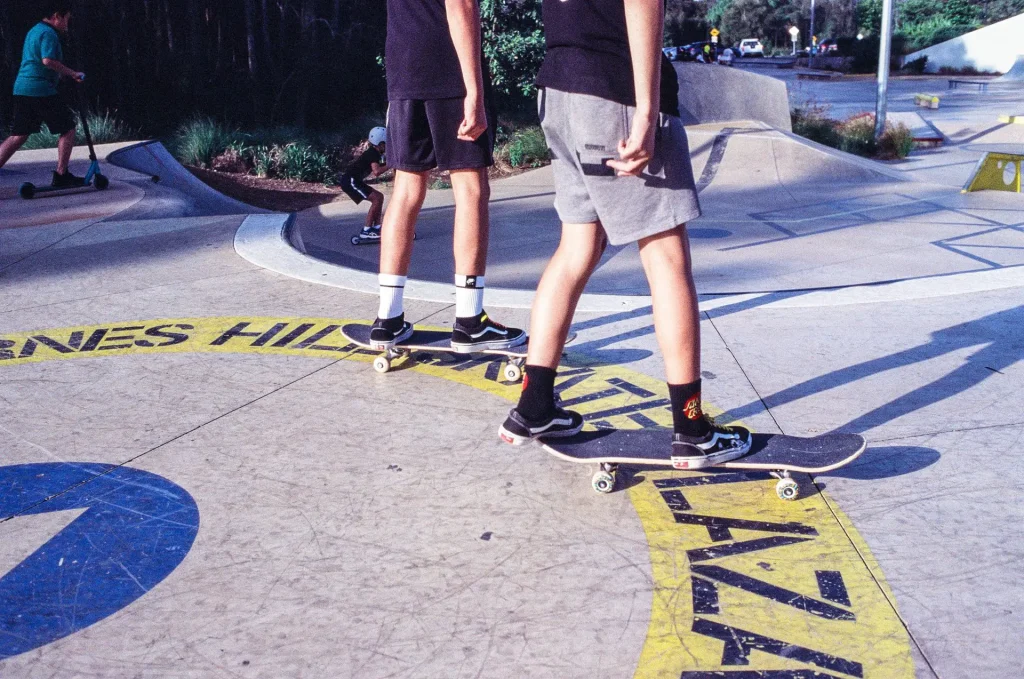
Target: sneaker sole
{"points": [[384, 346], [714, 460], [517, 440], [499, 345]]}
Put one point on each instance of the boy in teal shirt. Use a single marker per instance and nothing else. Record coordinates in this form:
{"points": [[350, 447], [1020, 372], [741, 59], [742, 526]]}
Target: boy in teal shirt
{"points": [[35, 91]]}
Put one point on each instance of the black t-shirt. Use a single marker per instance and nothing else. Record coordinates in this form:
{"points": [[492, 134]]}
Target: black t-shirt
{"points": [[362, 167], [588, 53], [419, 53]]}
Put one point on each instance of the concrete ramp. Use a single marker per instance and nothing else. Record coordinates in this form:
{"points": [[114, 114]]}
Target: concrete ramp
{"points": [[709, 93], [153, 159], [1016, 72]]}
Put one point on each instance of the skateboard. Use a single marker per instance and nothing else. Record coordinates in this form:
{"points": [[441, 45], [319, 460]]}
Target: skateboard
{"points": [[780, 455], [359, 240], [435, 341]]}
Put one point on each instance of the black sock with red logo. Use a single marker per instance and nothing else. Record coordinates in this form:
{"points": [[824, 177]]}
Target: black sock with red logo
{"points": [[537, 402], [687, 415]]}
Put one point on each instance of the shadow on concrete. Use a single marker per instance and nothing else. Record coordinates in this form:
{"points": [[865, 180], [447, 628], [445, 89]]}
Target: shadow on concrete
{"points": [[999, 345], [886, 462]]}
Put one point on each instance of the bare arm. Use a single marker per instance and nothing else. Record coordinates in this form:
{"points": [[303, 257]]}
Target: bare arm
{"points": [[645, 25], [464, 25], [55, 65], [378, 168]]}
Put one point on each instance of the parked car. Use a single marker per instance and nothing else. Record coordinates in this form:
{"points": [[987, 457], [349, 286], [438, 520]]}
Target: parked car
{"points": [[826, 47], [751, 47], [672, 53]]}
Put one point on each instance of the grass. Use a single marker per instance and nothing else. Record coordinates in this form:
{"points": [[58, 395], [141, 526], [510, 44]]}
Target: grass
{"points": [[524, 147], [106, 128]]}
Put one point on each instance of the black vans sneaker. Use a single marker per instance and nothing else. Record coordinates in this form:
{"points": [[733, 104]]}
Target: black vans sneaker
{"points": [[720, 445], [482, 333], [370, 233], [517, 430], [67, 181], [386, 333]]}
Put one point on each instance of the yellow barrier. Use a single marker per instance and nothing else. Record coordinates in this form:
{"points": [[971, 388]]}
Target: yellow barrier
{"points": [[996, 172], [926, 100], [1012, 120]]}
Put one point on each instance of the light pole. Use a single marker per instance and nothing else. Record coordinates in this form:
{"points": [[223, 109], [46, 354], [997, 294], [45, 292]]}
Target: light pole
{"points": [[884, 56], [794, 33], [813, 41]]}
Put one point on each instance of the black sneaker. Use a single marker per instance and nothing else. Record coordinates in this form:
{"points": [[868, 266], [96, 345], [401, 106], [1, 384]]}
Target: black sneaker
{"points": [[67, 181], [370, 233], [482, 333], [720, 445], [517, 430], [386, 333]]}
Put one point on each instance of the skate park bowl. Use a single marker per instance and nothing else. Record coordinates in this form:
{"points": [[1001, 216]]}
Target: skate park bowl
{"points": [[781, 215]]}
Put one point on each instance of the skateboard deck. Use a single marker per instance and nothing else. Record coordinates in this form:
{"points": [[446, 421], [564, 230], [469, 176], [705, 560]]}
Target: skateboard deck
{"points": [[435, 341], [776, 453]]}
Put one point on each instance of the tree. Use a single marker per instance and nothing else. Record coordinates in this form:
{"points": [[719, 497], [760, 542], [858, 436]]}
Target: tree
{"points": [[513, 44]]}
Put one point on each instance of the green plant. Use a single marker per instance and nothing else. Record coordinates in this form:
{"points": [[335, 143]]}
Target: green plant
{"points": [[813, 123], [526, 147], [857, 136], [264, 160], [106, 128], [199, 140], [896, 142], [917, 65], [302, 162]]}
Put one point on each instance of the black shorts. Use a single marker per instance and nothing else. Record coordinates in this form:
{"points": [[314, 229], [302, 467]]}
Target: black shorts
{"points": [[356, 189], [422, 135], [31, 112]]}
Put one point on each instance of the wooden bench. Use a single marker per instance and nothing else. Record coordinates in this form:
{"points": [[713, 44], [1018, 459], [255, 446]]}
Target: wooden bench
{"points": [[926, 100], [980, 84]]}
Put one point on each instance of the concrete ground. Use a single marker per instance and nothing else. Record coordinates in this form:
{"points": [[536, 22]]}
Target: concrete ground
{"points": [[200, 478]]}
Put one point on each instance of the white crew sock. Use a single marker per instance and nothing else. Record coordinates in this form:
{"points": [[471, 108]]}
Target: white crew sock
{"points": [[469, 296], [392, 289]]}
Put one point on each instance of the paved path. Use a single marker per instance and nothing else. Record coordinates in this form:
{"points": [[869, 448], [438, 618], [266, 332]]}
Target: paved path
{"points": [[200, 478]]}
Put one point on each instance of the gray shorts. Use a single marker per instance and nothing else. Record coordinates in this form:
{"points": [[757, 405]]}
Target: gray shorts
{"points": [[583, 133]]}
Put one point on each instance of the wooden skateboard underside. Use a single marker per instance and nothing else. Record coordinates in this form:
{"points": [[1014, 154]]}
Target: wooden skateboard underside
{"points": [[769, 452]]}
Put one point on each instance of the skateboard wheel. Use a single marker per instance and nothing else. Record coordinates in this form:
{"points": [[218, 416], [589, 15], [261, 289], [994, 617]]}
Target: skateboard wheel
{"points": [[27, 191], [787, 489], [382, 364], [513, 373], [603, 482], [355, 240], [101, 182]]}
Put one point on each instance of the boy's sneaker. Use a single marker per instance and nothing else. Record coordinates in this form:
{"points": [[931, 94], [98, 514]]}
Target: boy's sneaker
{"points": [[517, 430], [720, 445], [386, 333], [370, 233], [67, 181], [481, 333]]}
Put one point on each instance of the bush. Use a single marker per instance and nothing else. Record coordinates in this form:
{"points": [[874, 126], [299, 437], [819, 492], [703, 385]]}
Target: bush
{"points": [[106, 128], [200, 140], [857, 136], [813, 123], [526, 147], [896, 142], [917, 66]]}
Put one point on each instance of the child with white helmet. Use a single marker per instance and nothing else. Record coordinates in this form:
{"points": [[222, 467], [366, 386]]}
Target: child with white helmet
{"points": [[353, 182]]}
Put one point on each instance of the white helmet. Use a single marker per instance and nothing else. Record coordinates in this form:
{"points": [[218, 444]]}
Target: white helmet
{"points": [[378, 135]]}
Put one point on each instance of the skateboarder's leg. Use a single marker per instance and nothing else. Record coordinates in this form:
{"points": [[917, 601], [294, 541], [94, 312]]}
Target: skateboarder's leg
{"points": [[472, 221], [373, 217], [558, 293], [11, 146], [666, 261], [396, 249]]}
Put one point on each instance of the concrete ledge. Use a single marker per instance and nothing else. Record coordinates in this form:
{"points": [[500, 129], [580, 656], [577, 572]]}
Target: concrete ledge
{"points": [[266, 241]]}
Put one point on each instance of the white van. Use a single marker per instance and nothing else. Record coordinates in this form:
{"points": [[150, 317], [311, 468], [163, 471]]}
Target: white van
{"points": [[751, 47]]}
